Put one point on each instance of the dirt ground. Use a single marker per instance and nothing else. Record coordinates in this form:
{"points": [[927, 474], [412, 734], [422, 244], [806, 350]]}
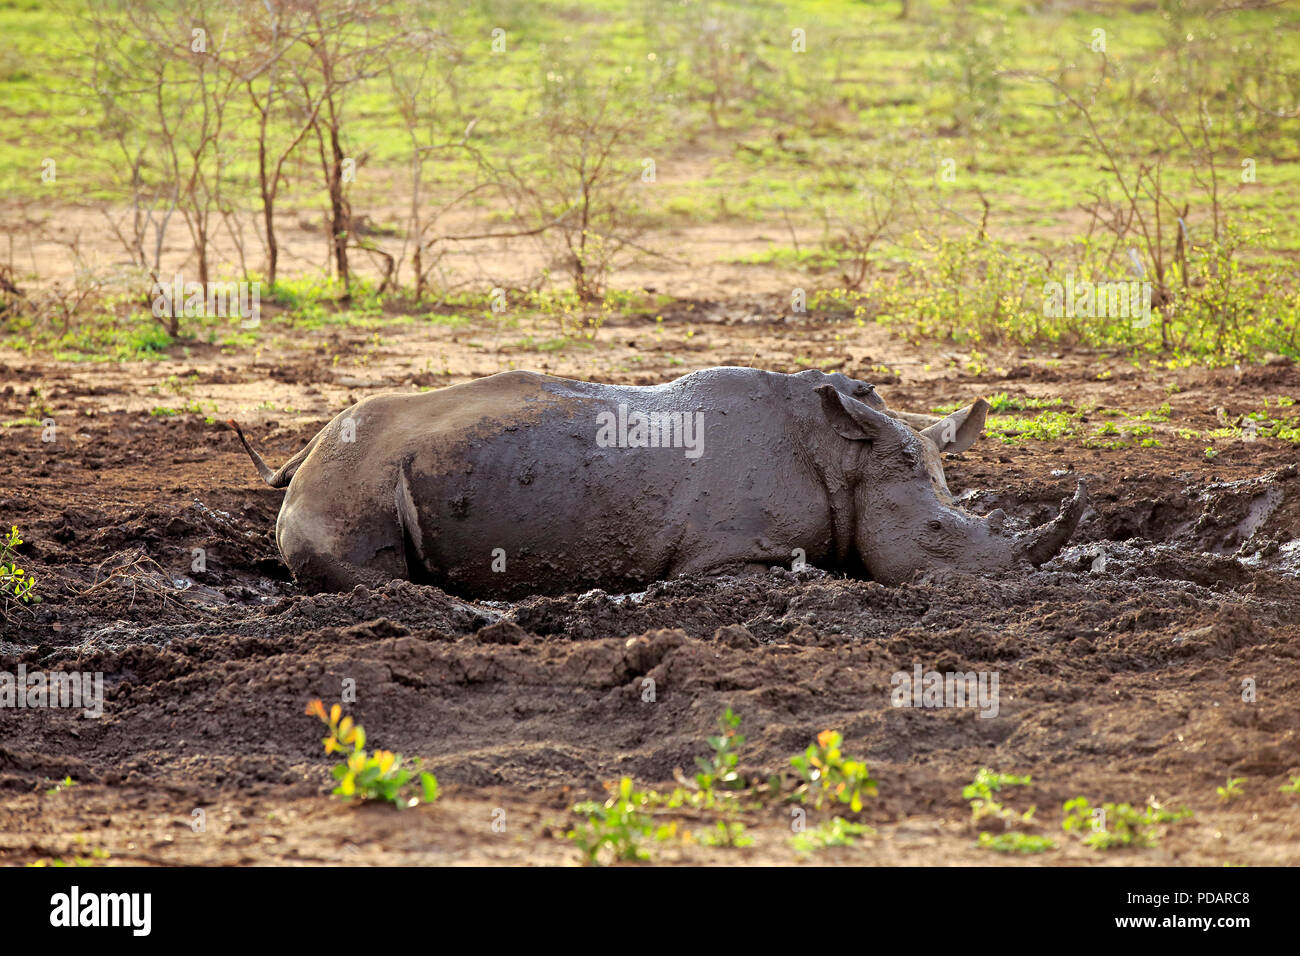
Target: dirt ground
{"points": [[1121, 662]]}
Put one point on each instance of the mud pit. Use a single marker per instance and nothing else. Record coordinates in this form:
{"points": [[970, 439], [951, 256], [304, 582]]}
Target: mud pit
{"points": [[1121, 662]]}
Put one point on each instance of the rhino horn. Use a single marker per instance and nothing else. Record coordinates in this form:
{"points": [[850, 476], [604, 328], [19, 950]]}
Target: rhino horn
{"points": [[1043, 543]]}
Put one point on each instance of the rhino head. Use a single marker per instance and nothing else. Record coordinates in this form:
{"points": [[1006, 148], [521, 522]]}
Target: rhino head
{"points": [[905, 520]]}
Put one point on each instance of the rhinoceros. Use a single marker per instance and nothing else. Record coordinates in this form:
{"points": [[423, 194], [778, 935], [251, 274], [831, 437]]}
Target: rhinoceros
{"points": [[522, 483]]}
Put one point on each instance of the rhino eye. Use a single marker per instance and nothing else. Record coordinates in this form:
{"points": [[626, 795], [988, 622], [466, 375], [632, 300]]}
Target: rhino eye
{"points": [[934, 524]]}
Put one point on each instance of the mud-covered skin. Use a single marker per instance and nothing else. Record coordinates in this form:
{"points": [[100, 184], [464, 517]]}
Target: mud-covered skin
{"points": [[506, 471]]}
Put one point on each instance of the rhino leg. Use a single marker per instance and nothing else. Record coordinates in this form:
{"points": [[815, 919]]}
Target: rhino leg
{"points": [[758, 557], [324, 557]]}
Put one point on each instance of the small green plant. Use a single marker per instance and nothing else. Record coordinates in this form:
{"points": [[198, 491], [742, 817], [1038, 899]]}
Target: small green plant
{"points": [[980, 794], [718, 770], [725, 834], [67, 783], [1231, 790], [1118, 824], [1160, 414], [378, 776], [97, 856], [1014, 841], [194, 407], [616, 828], [1045, 426], [826, 772], [176, 385], [1002, 402], [16, 585], [833, 832], [1292, 787]]}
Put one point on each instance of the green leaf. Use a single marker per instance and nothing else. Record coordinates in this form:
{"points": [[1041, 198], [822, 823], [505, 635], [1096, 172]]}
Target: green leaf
{"points": [[429, 783]]}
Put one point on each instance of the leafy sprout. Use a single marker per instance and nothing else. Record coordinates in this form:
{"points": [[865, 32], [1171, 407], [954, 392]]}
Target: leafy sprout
{"points": [[16, 585], [381, 775], [826, 772]]}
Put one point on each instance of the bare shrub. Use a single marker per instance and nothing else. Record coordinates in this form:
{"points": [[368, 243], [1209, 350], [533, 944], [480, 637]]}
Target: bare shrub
{"points": [[578, 194]]}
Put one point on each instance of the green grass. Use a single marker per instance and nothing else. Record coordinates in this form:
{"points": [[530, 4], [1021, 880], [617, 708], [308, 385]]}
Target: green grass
{"points": [[1016, 842], [1046, 426], [752, 131], [1118, 826], [873, 73], [830, 833]]}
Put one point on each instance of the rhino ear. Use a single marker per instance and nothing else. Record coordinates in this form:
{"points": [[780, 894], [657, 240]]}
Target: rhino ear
{"points": [[959, 430], [852, 419]]}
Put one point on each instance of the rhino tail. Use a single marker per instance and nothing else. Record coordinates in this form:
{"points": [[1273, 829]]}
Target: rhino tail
{"points": [[281, 477]]}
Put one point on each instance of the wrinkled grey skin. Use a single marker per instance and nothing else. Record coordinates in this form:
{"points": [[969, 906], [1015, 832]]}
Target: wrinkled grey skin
{"points": [[433, 483]]}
